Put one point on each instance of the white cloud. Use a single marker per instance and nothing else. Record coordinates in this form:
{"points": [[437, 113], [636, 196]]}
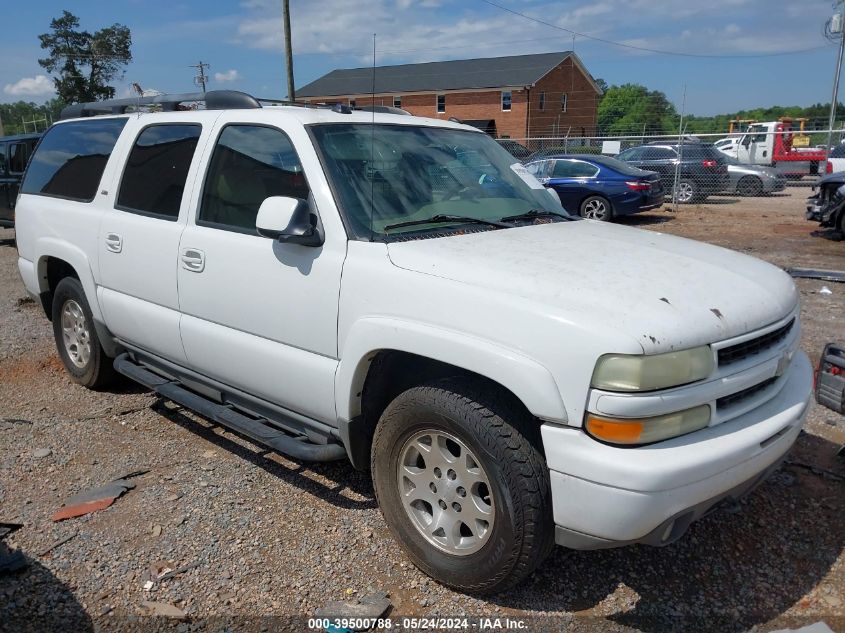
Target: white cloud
{"points": [[229, 75], [38, 86]]}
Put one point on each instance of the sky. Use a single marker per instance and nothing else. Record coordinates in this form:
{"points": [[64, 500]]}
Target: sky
{"points": [[727, 53]]}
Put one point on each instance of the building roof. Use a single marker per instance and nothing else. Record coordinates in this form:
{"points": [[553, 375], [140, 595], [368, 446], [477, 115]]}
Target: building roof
{"points": [[461, 74]]}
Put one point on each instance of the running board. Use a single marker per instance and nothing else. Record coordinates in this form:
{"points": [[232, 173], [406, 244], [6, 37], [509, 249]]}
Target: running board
{"points": [[257, 429]]}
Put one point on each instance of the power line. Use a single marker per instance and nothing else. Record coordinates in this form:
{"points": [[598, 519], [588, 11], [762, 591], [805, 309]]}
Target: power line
{"points": [[646, 49]]}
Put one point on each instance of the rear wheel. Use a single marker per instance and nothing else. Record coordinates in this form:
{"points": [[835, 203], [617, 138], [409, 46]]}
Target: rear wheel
{"points": [[76, 337], [597, 208], [686, 191], [749, 186], [462, 484]]}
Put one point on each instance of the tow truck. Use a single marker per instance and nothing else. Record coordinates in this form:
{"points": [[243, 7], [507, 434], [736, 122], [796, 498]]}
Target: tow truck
{"points": [[779, 144]]}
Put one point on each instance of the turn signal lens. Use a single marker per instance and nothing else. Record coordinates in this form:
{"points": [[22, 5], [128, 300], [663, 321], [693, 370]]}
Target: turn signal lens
{"points": [[647, 430], [617, 372]]}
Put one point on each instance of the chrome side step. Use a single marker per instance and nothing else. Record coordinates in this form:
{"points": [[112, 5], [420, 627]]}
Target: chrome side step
{"points": [[257, 429]]}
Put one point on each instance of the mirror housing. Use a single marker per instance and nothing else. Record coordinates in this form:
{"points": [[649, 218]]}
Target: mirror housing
{"points": [[290, 221]]}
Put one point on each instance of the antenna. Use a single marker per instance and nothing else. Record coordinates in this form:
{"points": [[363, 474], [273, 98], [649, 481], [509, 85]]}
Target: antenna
{"points": [[373, 145]]}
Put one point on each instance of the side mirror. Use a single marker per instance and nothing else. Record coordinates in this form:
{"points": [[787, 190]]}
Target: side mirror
{"points": [[289, 220]]}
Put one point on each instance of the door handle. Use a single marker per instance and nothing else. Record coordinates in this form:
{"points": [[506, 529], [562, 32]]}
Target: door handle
{"points": [[193, 259], [114, 242]]}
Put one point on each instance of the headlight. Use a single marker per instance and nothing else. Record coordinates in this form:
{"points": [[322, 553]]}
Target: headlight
{"points": [[647, 430], [617, 372]]}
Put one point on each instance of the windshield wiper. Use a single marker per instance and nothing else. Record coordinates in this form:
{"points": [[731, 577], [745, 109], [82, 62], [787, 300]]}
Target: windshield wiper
{"points": [[535, 213], [441, 219]]}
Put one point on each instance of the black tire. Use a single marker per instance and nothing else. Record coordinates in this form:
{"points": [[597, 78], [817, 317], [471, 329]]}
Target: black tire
{"points": [[687, 191], [749, 186], [506, 440], [93, 370], [596, 208]]}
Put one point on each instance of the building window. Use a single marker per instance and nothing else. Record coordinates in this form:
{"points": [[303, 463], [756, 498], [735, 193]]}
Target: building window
{"points": [[441, 104], [352, 103], [506, 100], [542, 101], [564, 98], [397, 101]]}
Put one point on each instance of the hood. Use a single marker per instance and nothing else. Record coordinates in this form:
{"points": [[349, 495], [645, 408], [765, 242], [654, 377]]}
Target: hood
{"points": [[664, 291]]}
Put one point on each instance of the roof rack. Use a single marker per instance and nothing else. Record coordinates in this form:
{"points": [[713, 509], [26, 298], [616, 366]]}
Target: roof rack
{"points": [[213, 99]]}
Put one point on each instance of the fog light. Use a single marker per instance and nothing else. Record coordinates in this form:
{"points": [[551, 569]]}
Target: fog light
{"points": [[647, 430]]}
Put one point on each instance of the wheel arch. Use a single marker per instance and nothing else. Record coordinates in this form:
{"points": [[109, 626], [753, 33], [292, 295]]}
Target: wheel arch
{"points": [[383, 357]]}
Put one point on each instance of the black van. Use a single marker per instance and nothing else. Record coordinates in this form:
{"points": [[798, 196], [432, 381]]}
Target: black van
{"points": [[14, 155]]}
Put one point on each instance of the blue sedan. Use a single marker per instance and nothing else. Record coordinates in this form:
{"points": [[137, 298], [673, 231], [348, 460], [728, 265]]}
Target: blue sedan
{"points": [[598, 187]]}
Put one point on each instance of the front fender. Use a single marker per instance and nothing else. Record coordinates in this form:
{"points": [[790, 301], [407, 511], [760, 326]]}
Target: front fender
{"points": [[532, 383]]}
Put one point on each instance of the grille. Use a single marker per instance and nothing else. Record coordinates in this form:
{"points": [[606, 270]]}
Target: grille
{"points": [[740, 351], [739, 396]]}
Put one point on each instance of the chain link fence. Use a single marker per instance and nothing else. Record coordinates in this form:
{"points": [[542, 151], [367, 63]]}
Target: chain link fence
{"points": [[763, 161]]}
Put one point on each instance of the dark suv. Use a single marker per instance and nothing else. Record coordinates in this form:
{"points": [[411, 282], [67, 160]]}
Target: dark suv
{"points": [[703, 170], [14, 155]]}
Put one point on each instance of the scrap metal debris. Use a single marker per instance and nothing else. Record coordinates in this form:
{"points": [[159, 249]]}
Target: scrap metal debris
{"points": [[369, 607], [813, 273], [58, 543], [94, 499]]}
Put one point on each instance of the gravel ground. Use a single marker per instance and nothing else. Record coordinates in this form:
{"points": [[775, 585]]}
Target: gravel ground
{"points": [[265, 536]]}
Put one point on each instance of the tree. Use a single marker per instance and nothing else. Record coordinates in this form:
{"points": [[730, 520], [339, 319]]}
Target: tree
{"points": [[634, 109], [85, 63], [26, 116]]}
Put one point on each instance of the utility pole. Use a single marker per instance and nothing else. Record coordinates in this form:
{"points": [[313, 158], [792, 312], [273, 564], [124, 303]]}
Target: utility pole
{"points": [[835, 27], [288, 50], [200, 79], [1, 125]]}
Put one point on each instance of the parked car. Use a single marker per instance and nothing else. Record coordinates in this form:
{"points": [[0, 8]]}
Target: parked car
{"points": [[836, 159], [827, 204], [703, 170], [339, 284], [728, 146], [599, 187], [14, 154], [517, 150], [753, 180]]}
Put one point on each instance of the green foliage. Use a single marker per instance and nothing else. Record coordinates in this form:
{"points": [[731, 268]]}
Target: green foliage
{"points": [[633, 109], [25, 116], [85, 63], [817, 113]]}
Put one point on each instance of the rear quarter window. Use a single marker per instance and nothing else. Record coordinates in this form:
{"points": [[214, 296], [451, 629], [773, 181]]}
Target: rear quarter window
{"points": [[70, 160]]}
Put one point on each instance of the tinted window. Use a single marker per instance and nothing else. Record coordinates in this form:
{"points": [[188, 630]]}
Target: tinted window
{"points": [[658, 153], [19, 154], [249, 164], [154, 177], [2, 158], [700, 152], [71, 158], [537, 169], [635, 153], [573, 169]]}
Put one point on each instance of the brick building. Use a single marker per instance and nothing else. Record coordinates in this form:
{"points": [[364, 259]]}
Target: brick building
{"points": [[521, 96]]}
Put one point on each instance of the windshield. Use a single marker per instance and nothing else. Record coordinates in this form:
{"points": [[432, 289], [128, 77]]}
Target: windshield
{"points": [[384, 175]]}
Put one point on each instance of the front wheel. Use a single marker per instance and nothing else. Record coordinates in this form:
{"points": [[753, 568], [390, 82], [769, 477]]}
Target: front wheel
{"points": [[597, 208], [462, 484], [76, 337]]}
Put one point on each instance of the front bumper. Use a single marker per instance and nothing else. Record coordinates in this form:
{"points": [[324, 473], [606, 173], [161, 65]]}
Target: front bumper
{"points": [[607, 496]]}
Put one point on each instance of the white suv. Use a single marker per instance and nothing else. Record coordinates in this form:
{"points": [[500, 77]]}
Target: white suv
{"points": [[399, 291]]}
